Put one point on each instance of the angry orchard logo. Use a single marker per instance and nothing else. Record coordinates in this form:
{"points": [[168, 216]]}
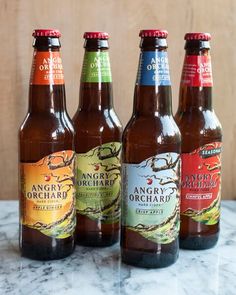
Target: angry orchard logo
{"points": [[167, 164], [58, 184]]}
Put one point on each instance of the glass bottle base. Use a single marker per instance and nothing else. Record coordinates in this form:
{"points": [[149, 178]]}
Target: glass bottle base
{"points": [[39, 252], [199, 242], [97, 239], [148, 259]]}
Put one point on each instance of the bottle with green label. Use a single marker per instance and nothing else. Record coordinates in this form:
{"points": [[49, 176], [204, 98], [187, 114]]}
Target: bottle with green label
{"points": [[98, 148], [151, 163]]}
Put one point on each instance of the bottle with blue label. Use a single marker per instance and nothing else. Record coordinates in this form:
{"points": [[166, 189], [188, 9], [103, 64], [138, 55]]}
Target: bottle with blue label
{"points": [[151, 163]]}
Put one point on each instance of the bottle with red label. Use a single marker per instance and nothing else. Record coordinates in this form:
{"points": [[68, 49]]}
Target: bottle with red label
{"points": [[47, 158], [201, 147]]}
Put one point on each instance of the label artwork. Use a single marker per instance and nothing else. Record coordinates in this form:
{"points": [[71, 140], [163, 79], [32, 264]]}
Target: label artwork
{"points": [[150, 204], [47, 68], [153, 69], [99, 183], [96, 67], [197, 71], [48, 194], [201, 181]]}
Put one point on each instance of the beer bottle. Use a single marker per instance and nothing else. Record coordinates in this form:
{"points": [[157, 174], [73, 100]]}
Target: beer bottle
{"points": [[151, 163], [47, 158], [98, 148], [201, 147]]}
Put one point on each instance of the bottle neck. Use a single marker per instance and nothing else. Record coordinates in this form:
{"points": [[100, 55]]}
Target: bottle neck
{"points": [[96, 78], [153, 87], [196, 81], [47, 89]]}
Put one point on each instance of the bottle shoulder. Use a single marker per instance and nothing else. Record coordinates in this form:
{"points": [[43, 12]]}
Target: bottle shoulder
{"points": [[46, 127], [95, 128], [198, 123], [158, 129], [96, 122], [115, 118]]}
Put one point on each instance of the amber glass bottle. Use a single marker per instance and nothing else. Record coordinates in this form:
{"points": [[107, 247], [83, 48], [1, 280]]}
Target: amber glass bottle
{"points": [[151, 163], [201, 147], [47, 158], [98, 147]]}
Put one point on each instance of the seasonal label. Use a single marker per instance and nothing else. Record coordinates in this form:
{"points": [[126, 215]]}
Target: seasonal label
{"points": [[98, 183], [48, 194], [47, 68], [153, 69], [96, 67], [197, 71], [150, 203], [201, 181]]}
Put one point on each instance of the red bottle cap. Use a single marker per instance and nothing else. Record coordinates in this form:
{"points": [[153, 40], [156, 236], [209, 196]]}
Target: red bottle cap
{"points": [[153, 33], [198, 36], [96, 35], [46, 33]]}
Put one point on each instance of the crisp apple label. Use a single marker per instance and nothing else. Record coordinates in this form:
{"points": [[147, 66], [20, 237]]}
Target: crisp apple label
{"points": [[96, 67], [98, 183], [153, 69], [48, 194], [47, 68], [201, 183], [197, 71], [151, 192]]}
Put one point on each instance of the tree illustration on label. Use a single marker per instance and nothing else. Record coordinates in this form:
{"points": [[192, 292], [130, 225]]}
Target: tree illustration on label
{"points": [[50, 200], [151, 197], [98, 183], [200, 188]]}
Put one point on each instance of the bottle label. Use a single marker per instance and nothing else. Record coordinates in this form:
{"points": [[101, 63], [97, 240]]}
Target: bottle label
{"points": [[201, 181], [48, 195], [99, 183], [153, 69], [96, 67], [150, 204], [197, 71], [47, 68]]}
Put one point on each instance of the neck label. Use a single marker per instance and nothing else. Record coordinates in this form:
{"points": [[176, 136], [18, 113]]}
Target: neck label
{"points": [[153, 69], [47, 68], [96, 67], [197, 71]]}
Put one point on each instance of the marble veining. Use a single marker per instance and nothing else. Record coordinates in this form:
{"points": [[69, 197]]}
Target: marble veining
{"points": [[100, 272]]}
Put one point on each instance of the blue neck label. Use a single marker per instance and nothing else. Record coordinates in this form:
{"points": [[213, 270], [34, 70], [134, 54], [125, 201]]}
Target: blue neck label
{"points": [[153, 69]]}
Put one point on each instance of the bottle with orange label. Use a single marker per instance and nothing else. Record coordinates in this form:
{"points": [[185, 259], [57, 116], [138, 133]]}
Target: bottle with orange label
{"points": [[46, 158], [201, 147]]}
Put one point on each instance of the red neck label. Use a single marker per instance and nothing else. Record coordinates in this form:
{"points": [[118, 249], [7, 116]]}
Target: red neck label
{"points": [[47, 68], [197, 71]]}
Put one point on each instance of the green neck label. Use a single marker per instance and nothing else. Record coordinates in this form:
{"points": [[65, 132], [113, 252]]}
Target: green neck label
{"points": [[96, 67]]}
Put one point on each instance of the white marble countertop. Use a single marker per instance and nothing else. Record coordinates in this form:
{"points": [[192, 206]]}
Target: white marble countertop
{"points": [[100, 272]]}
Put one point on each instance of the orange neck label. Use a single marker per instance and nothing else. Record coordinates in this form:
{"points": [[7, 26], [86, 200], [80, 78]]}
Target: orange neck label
{"points": [[47, 68]]}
